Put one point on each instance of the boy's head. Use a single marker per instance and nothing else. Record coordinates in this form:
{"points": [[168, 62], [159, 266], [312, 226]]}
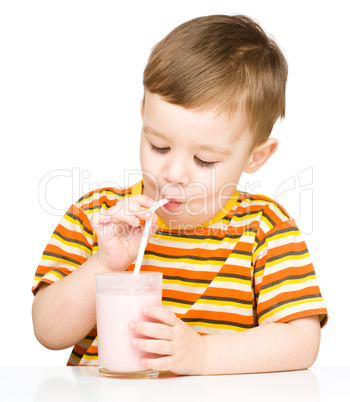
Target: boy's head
{"points": [[214, 87], [225, 63]]}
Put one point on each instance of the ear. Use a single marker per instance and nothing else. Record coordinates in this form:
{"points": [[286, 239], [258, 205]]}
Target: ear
{"points": [[142, 106], [260, 155]]}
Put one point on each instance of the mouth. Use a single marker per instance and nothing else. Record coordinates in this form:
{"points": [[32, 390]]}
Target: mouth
{"points": [[173, 204]]}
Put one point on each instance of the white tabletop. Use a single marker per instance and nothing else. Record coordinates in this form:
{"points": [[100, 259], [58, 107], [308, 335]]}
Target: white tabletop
{"points": [[65, 384]]}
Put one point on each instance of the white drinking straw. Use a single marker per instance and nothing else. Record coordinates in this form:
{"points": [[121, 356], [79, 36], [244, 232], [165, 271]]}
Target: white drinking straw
{"points": [[146, 234]]}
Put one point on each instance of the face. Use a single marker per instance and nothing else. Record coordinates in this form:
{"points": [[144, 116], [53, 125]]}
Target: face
{"points": [[193, 158]]}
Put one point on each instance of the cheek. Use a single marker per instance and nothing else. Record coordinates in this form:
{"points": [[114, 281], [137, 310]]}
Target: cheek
{"points": [[224, 183], [145, 156]]}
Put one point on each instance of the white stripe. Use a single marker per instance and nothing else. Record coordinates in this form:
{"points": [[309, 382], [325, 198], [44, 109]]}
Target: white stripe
{"points": [[96, 196], [279, 265], [70, 249], [184, 289], [286, 239], [244, 221], [243, 287], [272, 205], [192, 244], [292, 310], [51, 277], [67, 224], [222, 308], [245, 261], [263, 297], [176, 309], [182, 265], [52, 264], [265, 228]]}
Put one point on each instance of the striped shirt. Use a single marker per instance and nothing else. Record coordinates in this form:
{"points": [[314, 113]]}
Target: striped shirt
{"points": [[246, 267]]}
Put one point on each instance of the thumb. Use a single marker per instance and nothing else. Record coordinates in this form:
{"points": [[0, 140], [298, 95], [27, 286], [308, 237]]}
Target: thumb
{"points": [[154, 225]]}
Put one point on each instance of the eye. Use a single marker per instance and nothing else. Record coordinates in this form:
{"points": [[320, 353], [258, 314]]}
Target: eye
{"points": [[201, 163], [159, 150]]}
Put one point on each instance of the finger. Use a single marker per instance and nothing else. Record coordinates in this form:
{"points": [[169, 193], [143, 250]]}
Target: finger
{"points": [[143, 214], [131, 213], [160, 363], [99, 219], [153, 346], [161, 314], [133, 204], [142, 200], [120, 217], [152, 330]]}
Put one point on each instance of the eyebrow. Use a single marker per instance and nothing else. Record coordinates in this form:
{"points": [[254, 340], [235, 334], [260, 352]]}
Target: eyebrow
{"points": [[204, 147]]}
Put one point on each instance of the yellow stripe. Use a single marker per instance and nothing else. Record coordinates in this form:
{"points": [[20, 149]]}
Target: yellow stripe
{"points": [[37, 278], [267, 222], [90, 357], [175, 304], [233, 280], [51, 258], [219, 326], [291, 257], [224, 303], [184, 260], [239, 256], [288, 305], [284, 234], [76, 222], [264, 202], [188, 284], [230, 242], [94, 194], [71, 244], [279, 236], [275, 237], [137, 188], [288, 282]]}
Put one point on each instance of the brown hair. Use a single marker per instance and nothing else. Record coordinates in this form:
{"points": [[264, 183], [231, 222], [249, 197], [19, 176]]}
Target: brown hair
{"points": [[224, 62]]}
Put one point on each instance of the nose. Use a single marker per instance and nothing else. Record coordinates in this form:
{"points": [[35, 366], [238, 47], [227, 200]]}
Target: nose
{"points": [[175, 171]]}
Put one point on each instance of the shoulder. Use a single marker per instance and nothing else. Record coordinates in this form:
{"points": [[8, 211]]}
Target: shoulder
{"points": [[258, 204], [100, 198], [261, 210]]}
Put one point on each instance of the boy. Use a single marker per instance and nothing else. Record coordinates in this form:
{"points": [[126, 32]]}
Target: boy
{"points": [[239, 291]]}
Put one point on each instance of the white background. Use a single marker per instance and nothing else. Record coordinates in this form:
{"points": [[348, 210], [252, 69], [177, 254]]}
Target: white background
{"points": [[70, 91]]}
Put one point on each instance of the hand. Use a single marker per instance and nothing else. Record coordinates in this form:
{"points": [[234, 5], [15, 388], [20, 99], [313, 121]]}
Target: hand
{"points": [[182, 350], [119, 231]]}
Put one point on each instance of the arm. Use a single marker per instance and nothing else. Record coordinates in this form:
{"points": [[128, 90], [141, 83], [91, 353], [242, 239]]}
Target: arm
{"points": [[271, 347], [65, 312]]}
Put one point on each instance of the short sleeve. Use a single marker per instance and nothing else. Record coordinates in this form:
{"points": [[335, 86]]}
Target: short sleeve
{"points": [[285, 283], [71, 244]]}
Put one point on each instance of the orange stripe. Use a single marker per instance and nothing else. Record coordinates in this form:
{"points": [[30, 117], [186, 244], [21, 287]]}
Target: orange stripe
{"points": [[54, 249], [99, 202], [290, 271], [302, 314], [230, 293], [193, 252], [284, 297], [71, 234], [237, 247], [219, 316]]}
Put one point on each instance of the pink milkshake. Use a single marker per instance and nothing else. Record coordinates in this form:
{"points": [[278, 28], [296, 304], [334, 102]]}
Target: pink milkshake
{"points": [[119, 299]]}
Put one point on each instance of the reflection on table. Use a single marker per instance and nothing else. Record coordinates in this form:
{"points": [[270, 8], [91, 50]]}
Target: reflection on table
{"points": [[66, 384]]}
